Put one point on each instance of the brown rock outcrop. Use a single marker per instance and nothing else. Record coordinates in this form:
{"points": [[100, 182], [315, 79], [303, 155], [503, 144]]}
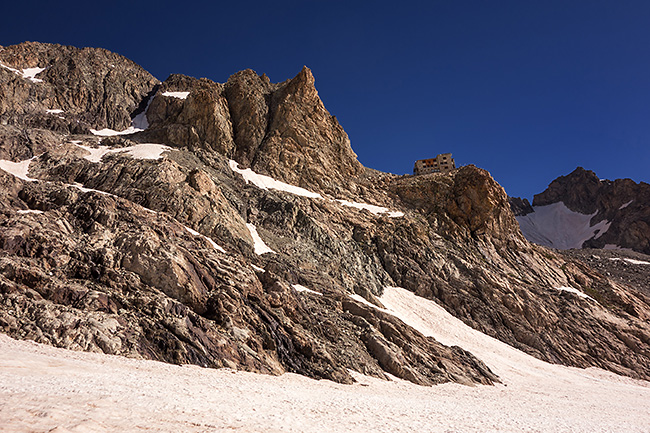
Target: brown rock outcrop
{"points": [[469, 200], [484, 272], [249, 97], [199, 121], [305, 145], [577, 190], [282, 130]]}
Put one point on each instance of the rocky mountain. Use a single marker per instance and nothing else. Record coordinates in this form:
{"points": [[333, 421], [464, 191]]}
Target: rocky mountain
{"points": [[580, 210], [231, 225]]}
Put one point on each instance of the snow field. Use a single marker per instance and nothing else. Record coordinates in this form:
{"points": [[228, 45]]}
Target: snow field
{"points": [[48, 389]]}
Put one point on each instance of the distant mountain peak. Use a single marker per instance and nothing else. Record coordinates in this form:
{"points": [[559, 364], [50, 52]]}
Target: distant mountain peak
{"points": [[618, 212]]}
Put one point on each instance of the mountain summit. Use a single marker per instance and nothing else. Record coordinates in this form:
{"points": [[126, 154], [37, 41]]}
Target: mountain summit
{"points": [[231, 225]]}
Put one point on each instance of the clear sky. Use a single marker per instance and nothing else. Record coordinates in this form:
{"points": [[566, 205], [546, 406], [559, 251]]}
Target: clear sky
{"points": [[528, 90]]}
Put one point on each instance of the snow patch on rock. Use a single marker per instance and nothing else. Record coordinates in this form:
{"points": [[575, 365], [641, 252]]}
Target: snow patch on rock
{"points": [[31, 73], [213, 243], [300, 288], [624, 205], [377, 210], [632, 261], [266, 182], [84, 189], [179, 95], [140, 121], [18, 169], [27, 73], [139, 151], [575, 292], [258, 244], [138, 124], [106, 132]]}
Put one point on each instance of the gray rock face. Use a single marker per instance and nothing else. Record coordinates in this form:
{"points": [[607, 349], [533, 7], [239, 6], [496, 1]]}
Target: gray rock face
{"points": [[115, 270], [520, 207], [125, 280]]}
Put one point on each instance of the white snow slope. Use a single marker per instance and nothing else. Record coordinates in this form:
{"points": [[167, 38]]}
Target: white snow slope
{"points": [[557, 226], [47, 389]]}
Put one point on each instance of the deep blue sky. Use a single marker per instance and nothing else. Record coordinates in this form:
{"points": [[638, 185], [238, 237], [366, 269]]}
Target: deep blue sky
{"points": [[528, 90]]}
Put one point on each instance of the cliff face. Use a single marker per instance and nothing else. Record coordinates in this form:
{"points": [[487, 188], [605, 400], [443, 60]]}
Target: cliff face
{"points": [[621, 208], [282, 130], [120, 245]]}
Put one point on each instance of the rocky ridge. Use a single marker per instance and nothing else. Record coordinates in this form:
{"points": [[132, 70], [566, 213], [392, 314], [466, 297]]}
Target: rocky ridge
{"points": [[156, 257], [74, 91]]}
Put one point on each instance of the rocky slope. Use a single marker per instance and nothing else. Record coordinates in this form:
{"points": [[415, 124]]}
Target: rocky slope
{"points": [[625, 266], [72, 91], [116, 245], [619, 210]]}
